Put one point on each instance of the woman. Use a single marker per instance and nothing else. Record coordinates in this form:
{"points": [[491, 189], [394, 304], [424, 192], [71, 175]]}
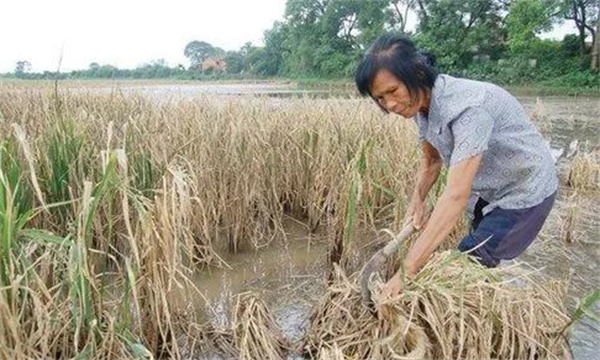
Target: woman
{"points": [[486, 139]]}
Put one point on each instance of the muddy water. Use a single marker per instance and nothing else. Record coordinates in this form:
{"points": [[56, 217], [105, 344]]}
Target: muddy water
{"points": [[577, 262], [288, 275], [563, 119]]}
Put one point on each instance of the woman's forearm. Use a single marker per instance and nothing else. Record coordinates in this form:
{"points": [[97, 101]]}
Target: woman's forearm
{"points": [[431, 165], [428, 175], [447, 211], [445, 214]]}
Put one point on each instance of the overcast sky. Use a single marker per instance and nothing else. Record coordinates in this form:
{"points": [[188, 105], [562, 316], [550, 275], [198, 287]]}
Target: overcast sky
{"points": [[125, 33], [128, 33]]}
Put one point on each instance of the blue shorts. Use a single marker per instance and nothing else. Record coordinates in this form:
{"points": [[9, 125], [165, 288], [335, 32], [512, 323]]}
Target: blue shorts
{"points": [[505, 234]]}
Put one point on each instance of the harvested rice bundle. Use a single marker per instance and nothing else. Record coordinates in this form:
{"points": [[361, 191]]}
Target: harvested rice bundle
{"points": [[341, 326], [461, 309], [255, 333], [472, 312]]}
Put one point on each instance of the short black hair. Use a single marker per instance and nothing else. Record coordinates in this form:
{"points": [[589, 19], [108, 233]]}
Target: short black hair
{"points": [[417, 70]]}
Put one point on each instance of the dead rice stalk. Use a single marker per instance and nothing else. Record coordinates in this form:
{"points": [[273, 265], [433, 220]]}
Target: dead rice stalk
{"points": [[461, 309], [22, 138], [584, 172], [255, 333]]}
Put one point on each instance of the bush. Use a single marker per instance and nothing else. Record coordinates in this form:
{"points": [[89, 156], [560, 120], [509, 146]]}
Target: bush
{"points": [[576, 79]]}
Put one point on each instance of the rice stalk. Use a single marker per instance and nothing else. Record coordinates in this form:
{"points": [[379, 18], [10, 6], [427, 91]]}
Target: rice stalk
{"points": [[255, 333], [350, 207], [569, 222], [585, 308], [341, 324], [63, 161], [214, 341], [460, 309], [22, 139], [173, 184], [584, 172]]}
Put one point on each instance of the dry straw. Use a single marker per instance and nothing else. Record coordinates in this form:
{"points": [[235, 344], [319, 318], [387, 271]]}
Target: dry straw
{"points": [[584, 172], [213, 341], [255, 333], [453, 309], [569, 222], [341, 324]]}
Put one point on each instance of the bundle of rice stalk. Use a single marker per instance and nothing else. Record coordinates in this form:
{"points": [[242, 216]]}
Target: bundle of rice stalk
{"points": [[463, 310], [343, 327], [472, 312], [255, 333]]}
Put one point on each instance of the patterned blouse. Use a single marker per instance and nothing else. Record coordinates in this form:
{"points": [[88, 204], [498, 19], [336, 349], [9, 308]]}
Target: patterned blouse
{"points": [[468, 118]]}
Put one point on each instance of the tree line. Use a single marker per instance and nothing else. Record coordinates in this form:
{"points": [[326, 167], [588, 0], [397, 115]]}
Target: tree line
{"points": [[495, 40]]}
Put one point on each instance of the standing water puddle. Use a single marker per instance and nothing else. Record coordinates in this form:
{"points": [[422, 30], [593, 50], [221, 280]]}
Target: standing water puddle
{"points": [[288, 275]]}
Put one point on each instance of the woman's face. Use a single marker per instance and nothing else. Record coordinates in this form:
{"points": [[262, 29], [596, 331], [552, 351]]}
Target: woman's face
{"points": [[392, 94]]}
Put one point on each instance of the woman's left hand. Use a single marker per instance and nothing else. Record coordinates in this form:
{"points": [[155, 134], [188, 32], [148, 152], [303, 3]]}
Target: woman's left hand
{"points": [[388, 291], [392, 287]]}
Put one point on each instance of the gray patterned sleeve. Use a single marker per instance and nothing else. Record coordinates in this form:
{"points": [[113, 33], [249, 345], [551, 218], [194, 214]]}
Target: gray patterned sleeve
{"points": [[471, 131]]}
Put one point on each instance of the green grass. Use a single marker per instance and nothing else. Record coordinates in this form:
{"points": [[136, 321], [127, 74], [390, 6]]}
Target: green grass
{"points": [[15, 211]]}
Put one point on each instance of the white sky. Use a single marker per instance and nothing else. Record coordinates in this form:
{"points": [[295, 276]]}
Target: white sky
{"points": [[125, 33], [128, 33]]}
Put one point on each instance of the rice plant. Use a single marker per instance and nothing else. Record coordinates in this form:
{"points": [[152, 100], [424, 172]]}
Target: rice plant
{"points": [[109, 203]]}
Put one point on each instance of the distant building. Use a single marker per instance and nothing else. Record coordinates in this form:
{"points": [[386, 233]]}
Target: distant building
{"points": [[214, 64]]}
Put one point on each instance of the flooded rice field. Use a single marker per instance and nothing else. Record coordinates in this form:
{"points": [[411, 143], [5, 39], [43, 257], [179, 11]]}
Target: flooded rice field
{"points": [[289, 274]]}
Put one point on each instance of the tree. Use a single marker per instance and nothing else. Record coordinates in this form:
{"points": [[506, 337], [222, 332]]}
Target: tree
{"points": [[235, 62], [326, 37], [374, 20], [268, 60], [22, 67], [107, 71], [526, 19], [570, 45], [455, 30], [218, 52], [198, 51], [304, 19], [304, 12], [595, 65], [238, 62], [585, 14], [397, 14]]}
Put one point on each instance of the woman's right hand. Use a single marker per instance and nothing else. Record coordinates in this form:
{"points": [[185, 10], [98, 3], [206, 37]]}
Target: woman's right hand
{"points": [[416, 212]]}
